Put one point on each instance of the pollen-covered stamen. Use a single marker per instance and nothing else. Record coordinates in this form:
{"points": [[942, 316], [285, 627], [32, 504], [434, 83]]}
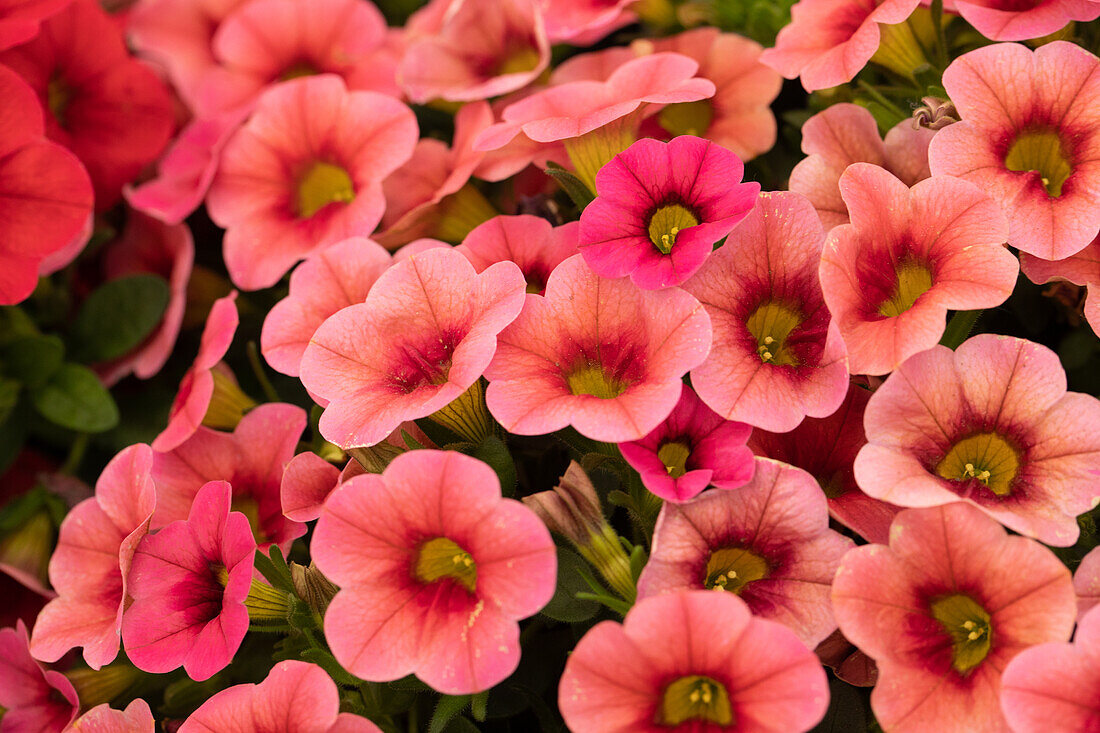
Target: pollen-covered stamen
{"points": [[667, 222], [322, 184], [732, 568], [914, 279], [771, 325], [695, 697], [969, 628], [441, 558], [674, 456], [591, 379], [1041, 151], [988, 458]]}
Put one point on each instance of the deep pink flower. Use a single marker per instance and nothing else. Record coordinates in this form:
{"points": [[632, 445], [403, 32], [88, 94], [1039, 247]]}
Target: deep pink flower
{"points": [[660, 208], [1086, 582], [692, 661], [583, 22], [692, 449], [288, 185], [33, 699], [433, 325], [943, 609], [909, 256], [777, 355], [1005, 20], [990, 424], [19, 19], [435, 568], [601, 355], [1029, 137], [531, 242], [189, 582], [1081, 268], [769, 542], [136, 718], [847, 133]]}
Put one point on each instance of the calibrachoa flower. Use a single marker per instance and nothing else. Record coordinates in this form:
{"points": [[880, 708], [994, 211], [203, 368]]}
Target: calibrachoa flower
{"points": [[777, 354], [909, 256], [90, 567], [581, 22], [33, 699], [990, 424], [1004, 20], [692, 449], [295, 697], [769, 542], [601, 355], [847, 133], [531, 242], [1029, 137], [692, 661], [660, 207], [1086, 581], [288, 185], [434, 569], [425, 334], [19, 19], [1081, 268], [189, 582], [943, 609], [136, 718]]}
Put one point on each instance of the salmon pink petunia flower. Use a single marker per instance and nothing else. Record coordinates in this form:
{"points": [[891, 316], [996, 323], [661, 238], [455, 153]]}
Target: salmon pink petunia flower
{"points": [[692, 661], [424, 335], [1081, 268], [435, 568], [769, 542], [777, 354], [288, 185], [943, 609], [33, 699], [583, 22], [20, 19], [990, 424], [1086, 581], [847, 133], [1030, 138], [136, 718], [601, 355], [531, 242], [189, 582], [660, 208], [692, 449], [909, 256], [1005, 20]]}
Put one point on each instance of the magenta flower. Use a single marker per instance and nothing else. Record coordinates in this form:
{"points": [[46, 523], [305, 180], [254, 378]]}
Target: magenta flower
{"points": [[435, 568], [1081, 268], [1029, 137], [692, 449], [433, 325], [136, 718], [943, 609], [295, 697], [692, 661], [847, 133], [285, 188], [91, 566], [909, 256], [769, 542], [659, 209], [1086, 582], [601, 355], [1004, 20], [33, 699], [189, 582], [990, 424], [777, 355], [531, 242]]}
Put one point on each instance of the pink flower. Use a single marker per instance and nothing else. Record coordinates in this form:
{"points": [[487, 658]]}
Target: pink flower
{"points": [[660, 208], [769, 542], [90, 567], [19, 19], [334, 278], [829, 41], [434, 569], [1028, 137], [583, 22], [1081, 268], [136, 718], [287, 185], [692, 449], [33, 699], [943, 609], [531, 242], [844, 134], [1003, 20], [433, 323], [1086, 582], [692, 661], [908, 257], [189, 582], [600, 355], [777, 354], [990, 424]]}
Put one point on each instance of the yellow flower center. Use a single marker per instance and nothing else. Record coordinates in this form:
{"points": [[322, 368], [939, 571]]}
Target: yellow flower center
{"points": [[323, 184], [518, 61], [666, 223], [732, 568], [674, 456], [248, 506], [770, 324], [298, 70], [914, 280], [695, 697], [441, 558], [590, 379], [58, 96], [1040, 151], [984, 457], [967, 623], [687, 118]]}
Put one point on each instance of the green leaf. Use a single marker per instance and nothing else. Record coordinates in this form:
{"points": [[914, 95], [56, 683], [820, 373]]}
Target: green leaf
{"points": [[493, 452], [14, 322], [74, 398], [13, 431], [580, 193], [118, 317], [565, 606], [327, 662], [32, 359], [449, 707], [9, 397]]}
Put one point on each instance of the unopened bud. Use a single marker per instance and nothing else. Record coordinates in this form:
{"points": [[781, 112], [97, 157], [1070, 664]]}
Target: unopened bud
{"points": [[312, 586], [935, 113]]}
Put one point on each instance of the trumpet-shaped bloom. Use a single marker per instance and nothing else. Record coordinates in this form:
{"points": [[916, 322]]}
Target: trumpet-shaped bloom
{"points": [[909, 256], [847, 133], [1081, 268], [288, 185], [20, 19], [435, 568], [189, 582], [692, 661], [136, 718], [531, 242], [769, 542], [777, 354], [425, 334], [601, 355], [1086, 582], [33, 699], [659, 209], [692, 449], [943, 609], [990, 424], [582, 22], [1005, 20], [1029, 137]]}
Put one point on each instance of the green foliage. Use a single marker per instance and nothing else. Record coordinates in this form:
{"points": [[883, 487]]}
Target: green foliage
{"points": [[74, 398], [117, 317]]}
